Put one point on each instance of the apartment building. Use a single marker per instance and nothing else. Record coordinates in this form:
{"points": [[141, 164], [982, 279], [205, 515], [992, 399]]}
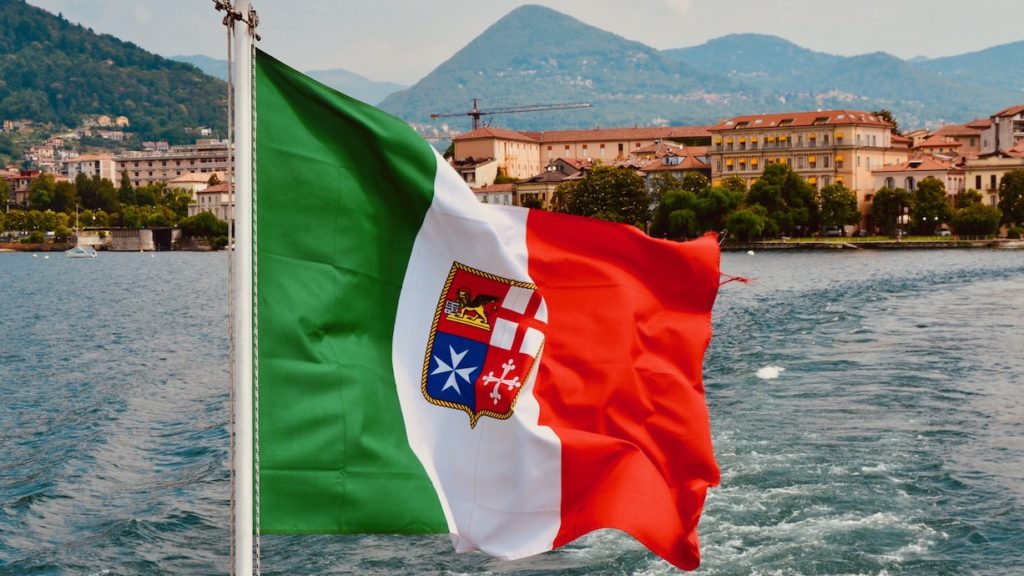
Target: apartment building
{"points": [[825, 147], [522, 155], [908, 175], [101, 165], [150, 167], [1005, 130], [985, 172]]}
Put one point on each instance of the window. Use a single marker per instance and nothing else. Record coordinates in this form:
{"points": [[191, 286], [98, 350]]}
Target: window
{"points": [[890, 182], [620, 147], [826, 161], [909, 184], [992, 182], [977, 182]]}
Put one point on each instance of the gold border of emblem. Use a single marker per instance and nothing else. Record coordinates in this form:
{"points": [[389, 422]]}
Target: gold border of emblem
{"points": [[473, 417]]}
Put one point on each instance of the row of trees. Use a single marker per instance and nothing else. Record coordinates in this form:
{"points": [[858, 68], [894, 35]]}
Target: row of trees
{"points": [[779, 203], [52, 206]]}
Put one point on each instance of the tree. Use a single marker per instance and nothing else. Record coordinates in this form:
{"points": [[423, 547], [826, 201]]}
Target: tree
{"points": [[735, 183], [1011, 197], [176, 201], [17, 221], [40, 195], [65, 197], [748, 223], [213, 180], [532, 201], [838, 206], [790, 202], [148, 195], [969, 198], [675, 216], [977, 220], [607, 193], [5, 193], [126, 192], [203, 225], [930, 206], [887, 208], [886, 115]]}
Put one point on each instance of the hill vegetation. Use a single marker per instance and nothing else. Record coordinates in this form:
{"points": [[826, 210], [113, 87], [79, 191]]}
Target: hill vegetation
{"points": [[537, 55], [53, 71]]}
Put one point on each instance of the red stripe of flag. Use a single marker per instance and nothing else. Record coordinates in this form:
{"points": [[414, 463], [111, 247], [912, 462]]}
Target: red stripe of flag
{"points": [[629, 319]]}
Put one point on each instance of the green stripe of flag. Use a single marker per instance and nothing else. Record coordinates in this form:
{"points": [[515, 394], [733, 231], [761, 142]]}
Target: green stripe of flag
{"points": [[341, 190]]}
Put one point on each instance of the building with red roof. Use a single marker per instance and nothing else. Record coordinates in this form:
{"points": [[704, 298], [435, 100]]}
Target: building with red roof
{"points": [[825, 147]]}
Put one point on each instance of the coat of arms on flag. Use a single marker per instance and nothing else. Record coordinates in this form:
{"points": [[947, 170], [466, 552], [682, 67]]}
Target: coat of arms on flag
{"points": [[487, 334]]}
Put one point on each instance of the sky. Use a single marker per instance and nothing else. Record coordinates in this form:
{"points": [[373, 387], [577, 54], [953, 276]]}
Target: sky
{"points": [[404, 40]]}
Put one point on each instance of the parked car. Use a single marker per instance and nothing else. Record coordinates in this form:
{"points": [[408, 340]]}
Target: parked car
{"points": [[833, 231], [943, 233]]}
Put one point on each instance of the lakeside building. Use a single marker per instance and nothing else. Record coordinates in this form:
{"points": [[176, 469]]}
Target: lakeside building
{"points": [[541, 187], [523, 155], [984, 172], [101, 165], [951, 140], [20, 182], [824, 147], [214, 199], [149, 167], [500, 194], [1005, 130], [907, 175]]}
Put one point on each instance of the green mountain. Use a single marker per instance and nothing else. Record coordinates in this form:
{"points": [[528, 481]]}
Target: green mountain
{"points": [[536, 55], [759, 59], [920, 93], [54, 71], [1000, 67], [917, 97]]}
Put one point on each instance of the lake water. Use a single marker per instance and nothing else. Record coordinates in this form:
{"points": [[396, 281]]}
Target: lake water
{"points": [[867, 410]]}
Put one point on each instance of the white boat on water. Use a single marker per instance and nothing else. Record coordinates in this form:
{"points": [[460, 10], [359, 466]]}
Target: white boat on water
{"points": [[81, 252]]}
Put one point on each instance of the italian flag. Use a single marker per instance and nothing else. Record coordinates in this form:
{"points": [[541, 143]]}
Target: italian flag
{"points": [[430, 364]]}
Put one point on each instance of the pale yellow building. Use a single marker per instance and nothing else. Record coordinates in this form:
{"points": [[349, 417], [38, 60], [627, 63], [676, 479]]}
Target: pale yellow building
{"points": [[825, 147], [985, 173]]}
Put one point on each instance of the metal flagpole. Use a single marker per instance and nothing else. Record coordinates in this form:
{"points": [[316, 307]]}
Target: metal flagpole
{"points": [[243, 24]]}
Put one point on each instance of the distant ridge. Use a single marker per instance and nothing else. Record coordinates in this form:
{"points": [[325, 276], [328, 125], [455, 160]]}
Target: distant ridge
{"points": [[538, 55]]}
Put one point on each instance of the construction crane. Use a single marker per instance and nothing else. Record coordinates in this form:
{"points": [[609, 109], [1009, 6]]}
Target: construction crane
{"points": [[476, 113]]}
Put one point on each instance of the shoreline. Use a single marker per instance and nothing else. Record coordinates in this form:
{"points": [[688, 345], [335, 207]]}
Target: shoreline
{"points": [[994, 243]]}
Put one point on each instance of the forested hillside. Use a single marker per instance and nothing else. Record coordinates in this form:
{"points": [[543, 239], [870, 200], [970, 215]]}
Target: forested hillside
{"points": [[54, 71]]}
